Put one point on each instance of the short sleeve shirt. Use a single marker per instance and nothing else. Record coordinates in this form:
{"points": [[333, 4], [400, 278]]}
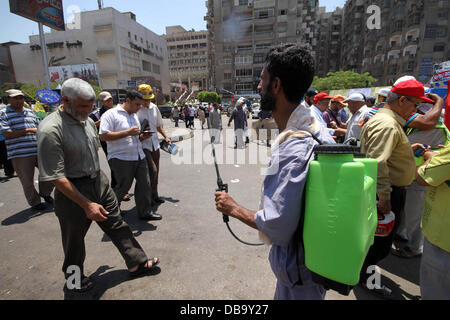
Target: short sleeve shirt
{"points": [[125, 149], [436, 214], [154, 118], [25, 146], [67, 148]]}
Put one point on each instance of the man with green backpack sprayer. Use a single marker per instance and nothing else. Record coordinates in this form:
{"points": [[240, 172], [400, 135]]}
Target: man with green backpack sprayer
{"points": [[287, 75]]}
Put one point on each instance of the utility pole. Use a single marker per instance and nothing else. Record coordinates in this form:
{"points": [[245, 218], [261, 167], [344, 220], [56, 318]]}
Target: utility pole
{"points": [[44, 55]]}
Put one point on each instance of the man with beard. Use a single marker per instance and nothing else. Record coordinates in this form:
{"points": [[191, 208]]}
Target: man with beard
{"points": [[288, 73], [68, 146], [309, 98]]}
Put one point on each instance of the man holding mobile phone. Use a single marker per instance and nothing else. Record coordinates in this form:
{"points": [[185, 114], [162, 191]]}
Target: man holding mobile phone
{"points": [[121, 129], [151, 116]]}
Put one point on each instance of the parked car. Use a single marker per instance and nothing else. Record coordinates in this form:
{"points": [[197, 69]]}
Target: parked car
{"points": [[166, 111]]}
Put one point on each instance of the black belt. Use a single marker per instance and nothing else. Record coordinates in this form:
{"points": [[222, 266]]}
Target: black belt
{"points": [[90, 177]]}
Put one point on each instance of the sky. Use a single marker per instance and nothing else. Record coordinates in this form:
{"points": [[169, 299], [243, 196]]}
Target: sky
{"points": [[153, 14]]}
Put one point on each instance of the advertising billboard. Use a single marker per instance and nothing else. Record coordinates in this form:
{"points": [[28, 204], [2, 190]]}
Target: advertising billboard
{"points": [[86, 72], [49, 12]]}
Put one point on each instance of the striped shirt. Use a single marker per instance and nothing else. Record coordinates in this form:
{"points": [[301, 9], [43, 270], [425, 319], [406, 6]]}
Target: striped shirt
{"points": [[10, 120]]}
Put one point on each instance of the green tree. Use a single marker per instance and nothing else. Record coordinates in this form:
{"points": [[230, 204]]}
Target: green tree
{"points": [[209, 97], [343, 80]]}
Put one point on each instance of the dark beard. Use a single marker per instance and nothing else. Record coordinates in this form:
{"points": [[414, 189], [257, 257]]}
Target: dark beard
{"points": [[267, 101]]}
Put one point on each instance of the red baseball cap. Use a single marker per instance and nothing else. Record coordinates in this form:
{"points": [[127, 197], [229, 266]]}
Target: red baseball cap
{"points": [[321, 96], [412, 88]]}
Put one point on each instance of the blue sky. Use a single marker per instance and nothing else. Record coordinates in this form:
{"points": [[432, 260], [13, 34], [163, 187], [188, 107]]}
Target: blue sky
{"points": [[153, 14]]}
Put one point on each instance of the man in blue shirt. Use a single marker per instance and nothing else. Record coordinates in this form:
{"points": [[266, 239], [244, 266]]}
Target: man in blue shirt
{"points": [[19, 126], [288, 73]]}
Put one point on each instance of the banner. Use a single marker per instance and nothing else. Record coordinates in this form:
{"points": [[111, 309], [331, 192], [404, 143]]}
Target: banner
{"points": [[86, 72], [48, 12]]}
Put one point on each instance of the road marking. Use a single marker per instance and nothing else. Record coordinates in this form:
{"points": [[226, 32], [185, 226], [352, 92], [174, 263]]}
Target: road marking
{"points": [[1, 204]]}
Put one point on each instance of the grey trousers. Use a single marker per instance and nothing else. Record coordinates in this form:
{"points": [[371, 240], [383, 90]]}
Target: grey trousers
{"points": [[410, 224], [74, 224], [152, 158], [25, 170], [125, 172], [435, 273]]}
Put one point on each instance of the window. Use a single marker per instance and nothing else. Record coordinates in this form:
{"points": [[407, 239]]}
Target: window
{"points": [[243, 2], [258, 58], [265, 13], [227, 75], [439, 47], [441, 32], [156, 69], [244, 73], [243, 60], [147, 66], [283, 12]]}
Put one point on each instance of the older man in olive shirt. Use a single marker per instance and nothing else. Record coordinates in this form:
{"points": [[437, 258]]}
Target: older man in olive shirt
{"points": [[68, 146], [383, 138]]}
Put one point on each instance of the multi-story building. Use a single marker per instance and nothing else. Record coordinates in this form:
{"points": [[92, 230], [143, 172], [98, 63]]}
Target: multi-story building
{"points": [[242, 31], [188, 57], [414, 35], [7, 73], [124, 52], [328, 49]]}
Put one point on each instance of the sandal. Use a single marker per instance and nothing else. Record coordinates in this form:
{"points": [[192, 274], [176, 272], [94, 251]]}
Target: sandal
{"points": [[142, 269], [86, 285], [405, 253]]}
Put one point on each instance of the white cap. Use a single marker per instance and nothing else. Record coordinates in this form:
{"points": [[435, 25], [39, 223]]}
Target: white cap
{"points": [[105, 95], [405, 78], [355, 97], [14, 93], [384, 92], [240, 102]]}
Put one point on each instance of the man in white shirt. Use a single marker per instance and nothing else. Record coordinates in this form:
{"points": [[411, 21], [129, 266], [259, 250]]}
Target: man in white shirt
{"points": [[120, 128], [309, 98], [357, 105], [152, 115]]}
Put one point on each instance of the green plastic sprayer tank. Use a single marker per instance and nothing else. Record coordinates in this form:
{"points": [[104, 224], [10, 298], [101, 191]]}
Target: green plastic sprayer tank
{"points": [[340, 213]]}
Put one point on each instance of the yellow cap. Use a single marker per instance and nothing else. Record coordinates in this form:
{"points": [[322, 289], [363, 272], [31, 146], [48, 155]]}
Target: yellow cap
{"points": [[147, 91]]}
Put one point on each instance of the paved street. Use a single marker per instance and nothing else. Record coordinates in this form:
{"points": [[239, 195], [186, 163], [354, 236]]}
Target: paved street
{"points": [[199, 258]]}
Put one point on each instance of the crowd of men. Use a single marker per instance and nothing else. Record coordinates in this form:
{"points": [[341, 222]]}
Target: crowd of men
{"points": [[402, 126]]}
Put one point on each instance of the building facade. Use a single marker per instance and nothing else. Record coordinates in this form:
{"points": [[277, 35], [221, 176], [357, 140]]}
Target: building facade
{"points": [[240, 33], [188, 57], [328, 49], [124, 53], [7, 73], [413, 36]]}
